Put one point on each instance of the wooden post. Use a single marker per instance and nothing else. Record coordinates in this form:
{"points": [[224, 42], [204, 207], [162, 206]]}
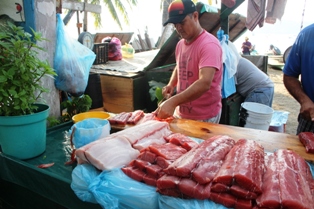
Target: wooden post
{"points": [[80, 6], [59, 6], [78, 24], [85, 18]]}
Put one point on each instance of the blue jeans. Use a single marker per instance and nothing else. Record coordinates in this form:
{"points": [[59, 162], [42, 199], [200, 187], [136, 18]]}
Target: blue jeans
{"points": [[261, 95]]}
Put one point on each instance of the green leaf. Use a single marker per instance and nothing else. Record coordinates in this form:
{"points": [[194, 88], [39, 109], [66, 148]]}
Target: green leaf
{"points": [[3, 79], [159, 95], [21, 70]]}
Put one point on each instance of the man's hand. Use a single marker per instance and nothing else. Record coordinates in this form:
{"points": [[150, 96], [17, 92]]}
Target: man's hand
{"points": [[167, 91], [307, 110], [165, 109]]}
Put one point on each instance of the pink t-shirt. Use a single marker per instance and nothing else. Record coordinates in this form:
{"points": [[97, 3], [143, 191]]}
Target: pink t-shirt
{"points": [[205, 51]]}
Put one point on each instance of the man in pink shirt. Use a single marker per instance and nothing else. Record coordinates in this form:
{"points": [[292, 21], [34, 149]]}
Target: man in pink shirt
{"points": [[198, 74]]}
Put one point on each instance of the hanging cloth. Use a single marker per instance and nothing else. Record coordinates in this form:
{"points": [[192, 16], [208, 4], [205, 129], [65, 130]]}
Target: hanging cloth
{"points": [[229, 3], [275, 10], [255, 14]]}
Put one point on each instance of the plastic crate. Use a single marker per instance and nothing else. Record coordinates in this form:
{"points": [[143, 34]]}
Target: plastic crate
{"points": [[101, 50]]}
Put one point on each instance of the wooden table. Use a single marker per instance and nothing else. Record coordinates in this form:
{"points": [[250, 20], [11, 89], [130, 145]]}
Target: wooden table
{"points": [[271, 141]]}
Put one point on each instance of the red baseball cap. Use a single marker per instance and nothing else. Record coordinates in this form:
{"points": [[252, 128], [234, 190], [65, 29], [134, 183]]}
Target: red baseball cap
{"points": [[178, 10]]}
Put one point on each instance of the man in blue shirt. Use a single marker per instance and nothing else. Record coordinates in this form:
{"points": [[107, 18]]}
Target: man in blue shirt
{"points": [[298, 77]]}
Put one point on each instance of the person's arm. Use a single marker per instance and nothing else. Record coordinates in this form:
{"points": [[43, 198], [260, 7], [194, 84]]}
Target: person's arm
{"points": [[294, 87], [168, 90], [250, 46], [206, 75]]}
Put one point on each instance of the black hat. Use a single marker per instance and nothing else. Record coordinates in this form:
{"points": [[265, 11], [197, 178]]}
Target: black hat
{"points": [[178, 10]]}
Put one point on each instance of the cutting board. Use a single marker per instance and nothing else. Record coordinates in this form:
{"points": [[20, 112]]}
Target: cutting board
{"points": [[271, 141]]}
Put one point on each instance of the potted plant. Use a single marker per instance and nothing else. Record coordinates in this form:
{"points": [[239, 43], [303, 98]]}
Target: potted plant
{"points": [[22, 114]]}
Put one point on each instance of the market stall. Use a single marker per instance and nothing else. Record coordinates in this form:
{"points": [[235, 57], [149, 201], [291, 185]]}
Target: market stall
{"points": [[51, 186]]}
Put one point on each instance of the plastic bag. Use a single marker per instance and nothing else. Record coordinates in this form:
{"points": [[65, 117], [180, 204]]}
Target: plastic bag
{"points": [[278, 121], [115, 190], [229, 59], [89, 130], [114, 49], [82, 176], [229, 64], [72, 62], [236, 54], [228, 84], [127, 51], [167, 202]]}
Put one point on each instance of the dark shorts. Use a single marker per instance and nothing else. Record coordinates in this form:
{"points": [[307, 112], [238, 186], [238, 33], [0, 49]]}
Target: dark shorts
{"points": [[304, 125]]}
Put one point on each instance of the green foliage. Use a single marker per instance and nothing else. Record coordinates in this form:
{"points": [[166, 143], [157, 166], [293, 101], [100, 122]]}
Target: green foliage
{"points": [[72, 106], [118, 9], [155, 90], [53, 121], [21, 71], [159, 95], [75, 105]]}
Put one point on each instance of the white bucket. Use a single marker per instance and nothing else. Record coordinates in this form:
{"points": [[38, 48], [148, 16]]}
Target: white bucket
{"points": [[255, 115]]}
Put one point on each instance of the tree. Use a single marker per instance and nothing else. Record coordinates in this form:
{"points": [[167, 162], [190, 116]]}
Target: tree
{"points": [[117, 9]]}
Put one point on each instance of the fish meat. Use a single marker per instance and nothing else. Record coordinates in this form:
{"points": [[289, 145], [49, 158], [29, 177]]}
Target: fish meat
{"points": [[288, 182], [185, 164], [120, 119], [307, 139], [243, 165], [210, 164], [144, 130], [193, 189], [155, 138], [112, 153], [168, 151], [181, 140], [135, 117]]}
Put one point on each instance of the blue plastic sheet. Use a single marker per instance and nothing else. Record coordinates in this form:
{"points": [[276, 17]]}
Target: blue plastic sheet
{"points": [[82, 176], [115, 190], [166, 202], [279, 118]]}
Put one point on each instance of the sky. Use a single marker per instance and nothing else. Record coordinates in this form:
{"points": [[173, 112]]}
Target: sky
{"points": [[148, 14], [283, 33]]}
